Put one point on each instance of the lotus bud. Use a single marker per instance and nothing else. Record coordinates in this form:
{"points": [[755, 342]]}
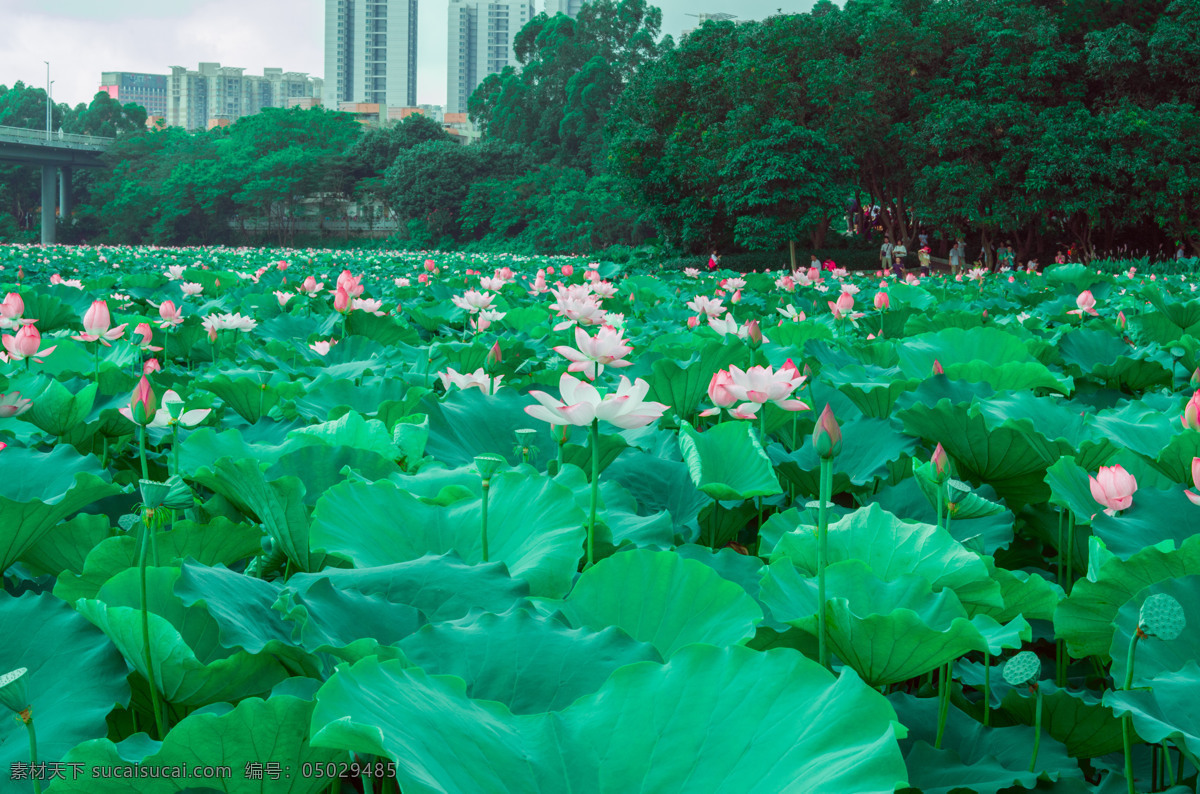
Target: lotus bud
{"points": [[1196, 377], [151, 366], [882, 302], [430, 266], [494, 356], [941, 463], [694, 321], [1121, 320], [14, 691], [568, 270], [827, 435], [144, 403], [1191, 413], [754, 332], [937, 368], [341, 300]]}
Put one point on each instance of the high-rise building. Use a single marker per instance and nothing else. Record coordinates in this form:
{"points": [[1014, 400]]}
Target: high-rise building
{"points": [[216, 95], [147, 90], [569, 7], [371, 52], [480, 43]]}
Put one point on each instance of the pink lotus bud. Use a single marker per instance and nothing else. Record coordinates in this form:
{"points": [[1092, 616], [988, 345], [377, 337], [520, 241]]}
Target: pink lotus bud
{"points": [[150, 366], [142, 335], [1194, 497], [430, 266], [212, 333], [341, 300], [1086, 302], [789, 367], [97, 320], [310, 284], [143, 403], [1121, 320], [1196, 377], [845, 302], [494, 356], [940, 460], [736, 297], [1191, 413], [693, 321], [550, 271], [718, 389], [754, 332], [1113, 487], [881, 301], [937, 368], [568, 270], [827, 435], [423, 278]]}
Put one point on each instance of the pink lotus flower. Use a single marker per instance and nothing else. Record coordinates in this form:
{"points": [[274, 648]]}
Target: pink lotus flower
{"points": [[423, 278], [430, 266], [151, 366], [581, 403], [473, 300], [143, 336], [478, 379], [321, 346], [13, 404], [341, 300], [368, 305], [719, 393], [11, 310], [693, 321], [1086, 303], [842, 306], [191, 288], [96, 325], [702, 304], [25, 343], [568, 271], [350, 283], [283, 297], [1113, 487], [539, 285], [310, 286], [593, 353], [1191, 413], [578, 311], [170, 315], [1194, 497], [881, 301]]}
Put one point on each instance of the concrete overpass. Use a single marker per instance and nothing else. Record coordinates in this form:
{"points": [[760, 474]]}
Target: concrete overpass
{"points": [[57, 154]]}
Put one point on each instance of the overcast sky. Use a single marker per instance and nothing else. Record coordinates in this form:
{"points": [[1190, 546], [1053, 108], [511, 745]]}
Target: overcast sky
{"points": [[82, 38]]}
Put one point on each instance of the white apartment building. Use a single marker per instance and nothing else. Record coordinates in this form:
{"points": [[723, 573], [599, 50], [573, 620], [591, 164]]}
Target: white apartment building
{"points": [[215, 95], [371, 52], [481, 35]]}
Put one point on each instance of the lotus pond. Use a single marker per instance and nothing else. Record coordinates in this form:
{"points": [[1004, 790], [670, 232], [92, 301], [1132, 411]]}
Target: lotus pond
{"points": [[309, 521]]}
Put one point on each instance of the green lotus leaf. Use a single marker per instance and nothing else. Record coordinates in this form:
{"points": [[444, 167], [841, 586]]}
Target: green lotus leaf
{"points": [[683, 384], [727, 462], [1085, 618], [1140, 428], [952, 346], [659, 484], [469, 423], [1078, 719], [255, 731], [66, 547], [530, 663], [53, 485], [191, 667], [873, 390], [1184, 314], [277, 505], [75, 678], [985, 534], [352, 430], [663, 599], [1069, 488], [1024, 594], [1105, 357], [1056, 421], [711, 720], [373, 524], [1174, 459], [892, 548], [253, 395], [326, 394], [1156, 656], [1152, 520], [320, 466], [1167, 710], [886, 631], [57, 410], [617, 517], [871, 449]]}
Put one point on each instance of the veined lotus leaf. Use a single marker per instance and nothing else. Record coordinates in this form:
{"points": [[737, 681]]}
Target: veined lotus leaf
{"points": [[66, 547], [57, 410], [468, 423], [52, 486], [75, 678], [611, 447], [255, 731], [1078, 719], [217, 541], [1025, 594], [1153, 519], [659, 484], [1174, 459], [872, 389], [710, 720], [1156, 656], [886, 631], [663, 599], [960, 346], [530, 663], [892, 548], [251, 395], [1184, 314], [374, 524], [191, 667], [1084, 619], [727, 462], [617, 517], [1105, 357], [741, 569], [1069, 489], [1056, 421], [869, 449], [320, 466], [1166, 710], [1010, 456], [973, 757], [325, 394], [1139, 428], [278, 505], [352, 430], [985, 534], [683, 384]]}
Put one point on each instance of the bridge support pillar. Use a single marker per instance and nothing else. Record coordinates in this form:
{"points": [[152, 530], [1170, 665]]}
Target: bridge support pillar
{"points": [[49, 177], [65, 205]]}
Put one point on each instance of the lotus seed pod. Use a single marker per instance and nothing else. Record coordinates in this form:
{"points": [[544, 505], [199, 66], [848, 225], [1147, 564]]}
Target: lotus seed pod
{"points": [[959, 485], [526, 436], [153, 493], [1161, 617], [1024, 668], [488, 464], [127, 522], [14, 690]]}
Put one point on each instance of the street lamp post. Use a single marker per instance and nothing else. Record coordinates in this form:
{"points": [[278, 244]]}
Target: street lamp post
{"points": [[47, 99]]}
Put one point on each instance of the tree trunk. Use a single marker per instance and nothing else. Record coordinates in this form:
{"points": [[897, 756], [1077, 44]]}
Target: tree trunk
{"points": [[819, 232], [792, 249]]}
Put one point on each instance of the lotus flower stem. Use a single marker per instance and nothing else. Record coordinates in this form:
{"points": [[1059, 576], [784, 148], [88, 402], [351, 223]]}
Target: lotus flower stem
{"points": [[1170, 771], [591, 535], [154, 703], [142, 451], [37, 783], [943, 703], [1126, 719], [175, 449], [483, 529], [1070, 551], [987, 688], [941, 504], [825, 494], [1037, 727]]}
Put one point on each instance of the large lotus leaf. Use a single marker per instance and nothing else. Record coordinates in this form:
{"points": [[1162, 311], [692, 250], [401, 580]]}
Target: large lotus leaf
{"points": [[251, 396], [711, 720], [1155, 656], [57, 410], [985, 534], [659, 484], [617, 520], [870, 449], [277, 505], [255, 731], [374, 524], [76, 677], [1152, 519], [892, 548], [1069, 488], [953, 346], [727, 462], [66, 547], [469, 423], [1078, 719], [1085, 618], [190, 665], [1055, 420], [1105, 357], [51, 486], [1024, 593], [684, 384], [1181, 313], [530, 663], [217, 541], [352, 430], [1138, 427], [873, 390], [1010, 376], [663, 599], [320, 466], [973, 757], [1175, 458], [1167, 710], [886, 631], [325, 394], [1010, 456]]}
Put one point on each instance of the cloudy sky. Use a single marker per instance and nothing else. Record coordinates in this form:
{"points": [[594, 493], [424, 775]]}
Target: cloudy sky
{"points": [[82, 38]]}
